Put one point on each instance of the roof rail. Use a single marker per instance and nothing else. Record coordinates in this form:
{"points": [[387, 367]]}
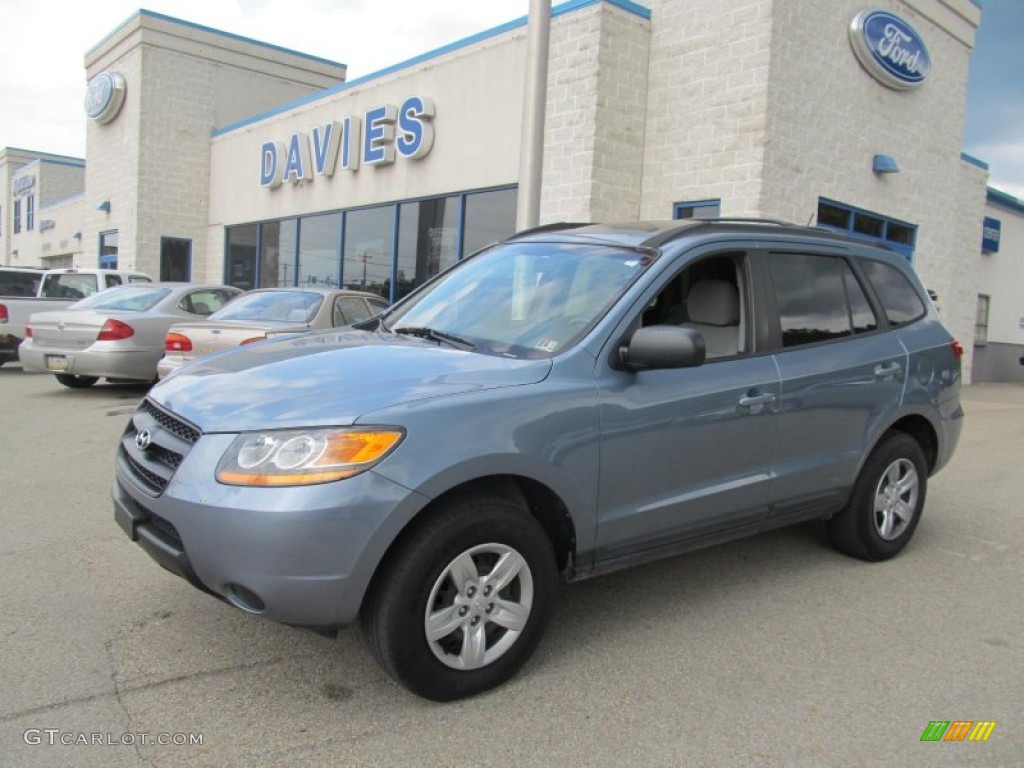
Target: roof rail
{"points": [[687, 225], [549, 227]]}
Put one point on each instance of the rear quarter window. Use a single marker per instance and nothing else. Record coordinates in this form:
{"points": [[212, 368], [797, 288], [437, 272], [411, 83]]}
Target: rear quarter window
{"points": [[900, 300]]}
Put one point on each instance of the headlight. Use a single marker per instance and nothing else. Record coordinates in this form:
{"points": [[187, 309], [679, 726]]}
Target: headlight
{"points": [[304, 456]]}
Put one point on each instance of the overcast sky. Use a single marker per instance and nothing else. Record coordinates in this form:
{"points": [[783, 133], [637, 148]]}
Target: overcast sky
{"points": [[43, 42]]}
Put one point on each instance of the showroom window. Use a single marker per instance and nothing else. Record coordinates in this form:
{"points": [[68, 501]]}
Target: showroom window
{"points": [[369, 243], [30, 212], [278, 247], [320, 250], [489, 217], [17, 216], [240, 269], [405, 243], [428, 241]]}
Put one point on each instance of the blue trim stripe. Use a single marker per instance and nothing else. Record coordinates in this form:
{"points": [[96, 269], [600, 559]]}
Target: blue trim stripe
{"points": [[572, 5], [212, 30], [974, 161], [1004, 200]]}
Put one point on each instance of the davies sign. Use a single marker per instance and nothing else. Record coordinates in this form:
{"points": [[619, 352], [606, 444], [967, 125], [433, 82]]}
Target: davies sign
{"points": [[370, 139], [889, 49]]}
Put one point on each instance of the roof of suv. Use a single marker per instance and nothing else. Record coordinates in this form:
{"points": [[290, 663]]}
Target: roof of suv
{"points": [[654, 234]]}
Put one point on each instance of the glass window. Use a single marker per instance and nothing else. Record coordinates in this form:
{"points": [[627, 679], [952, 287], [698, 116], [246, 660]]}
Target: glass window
{"points": [[900, 300], [899, 233], [17, 216], [428, 241], [175, 260], [981, 320], [867, 225], [128, 298], [289, 306], [17, 282], [69, 285], [204, 302], [702, 209], [30, 212], [277, 257], [369, 239], [490, 217], [811, 298], [522, 299], [241, 262], [108, 249], [320, 250], [833, 216], [349, 309], [861, 314]]}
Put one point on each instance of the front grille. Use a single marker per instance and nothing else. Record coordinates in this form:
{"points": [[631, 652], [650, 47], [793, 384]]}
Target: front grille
{"points": [[172, 424], [151, 480], [170, 439]]}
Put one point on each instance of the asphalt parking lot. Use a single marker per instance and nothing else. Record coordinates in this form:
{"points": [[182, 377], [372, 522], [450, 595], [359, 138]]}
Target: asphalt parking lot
{"points": [[774, 651]]}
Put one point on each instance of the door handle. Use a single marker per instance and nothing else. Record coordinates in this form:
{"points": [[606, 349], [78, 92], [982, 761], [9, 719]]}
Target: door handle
{"points": [[755, 403], [885, 371]]}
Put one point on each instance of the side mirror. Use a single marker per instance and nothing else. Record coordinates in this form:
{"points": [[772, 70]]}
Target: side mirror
{"points": [[663, 346]]}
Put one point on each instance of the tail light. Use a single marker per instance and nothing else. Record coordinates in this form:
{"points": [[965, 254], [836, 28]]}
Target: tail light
{"points": [[4, 317], [958, 349], [177, 342], [253, 340], [28, 331], [115, 330]]}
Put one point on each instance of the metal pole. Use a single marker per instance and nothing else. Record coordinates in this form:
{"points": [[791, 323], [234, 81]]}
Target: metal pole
{"points": [[531, 153]]}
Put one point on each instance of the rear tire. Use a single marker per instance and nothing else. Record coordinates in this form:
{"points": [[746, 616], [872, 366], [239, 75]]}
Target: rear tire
{"points": [[76, 382], [462, 601], [886, 503]]}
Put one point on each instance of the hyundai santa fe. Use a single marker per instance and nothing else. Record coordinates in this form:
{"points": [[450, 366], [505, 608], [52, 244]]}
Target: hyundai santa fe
{"points": [[572, 401]]}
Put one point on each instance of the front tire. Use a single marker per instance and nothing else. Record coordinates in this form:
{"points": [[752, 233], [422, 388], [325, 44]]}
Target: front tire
{"points": [[885, 507], [462, 601], [76, 382]]}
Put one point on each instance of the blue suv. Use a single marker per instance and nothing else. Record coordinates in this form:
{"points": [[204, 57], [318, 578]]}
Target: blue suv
{"points": [[575, 400]]}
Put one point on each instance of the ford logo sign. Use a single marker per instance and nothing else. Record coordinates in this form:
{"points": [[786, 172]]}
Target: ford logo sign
{"points": [[889, 49]]}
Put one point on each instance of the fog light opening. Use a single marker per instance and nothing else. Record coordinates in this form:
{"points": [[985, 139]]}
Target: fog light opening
{"points": [[243, 598]]}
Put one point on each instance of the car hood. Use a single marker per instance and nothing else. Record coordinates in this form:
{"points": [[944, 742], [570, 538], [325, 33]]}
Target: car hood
{"points": [[329, 379]]}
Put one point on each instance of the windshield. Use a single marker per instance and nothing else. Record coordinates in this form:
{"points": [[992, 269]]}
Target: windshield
{"points": [[523, 299], [126, 298], [276, 306]]}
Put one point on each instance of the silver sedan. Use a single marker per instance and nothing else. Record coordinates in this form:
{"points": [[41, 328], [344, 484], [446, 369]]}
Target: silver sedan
{"points": [[262, 314], [117, 334]]}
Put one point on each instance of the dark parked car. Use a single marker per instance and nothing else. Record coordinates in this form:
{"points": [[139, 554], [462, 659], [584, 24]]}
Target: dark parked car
{"points": [[570, 402]]}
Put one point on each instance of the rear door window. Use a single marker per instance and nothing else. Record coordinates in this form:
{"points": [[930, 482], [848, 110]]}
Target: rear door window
{"points": [[899, 298], [811, 298]]}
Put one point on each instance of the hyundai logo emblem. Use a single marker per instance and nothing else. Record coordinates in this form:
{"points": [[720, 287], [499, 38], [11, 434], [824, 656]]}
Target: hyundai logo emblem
{"points": [[143, 440]]}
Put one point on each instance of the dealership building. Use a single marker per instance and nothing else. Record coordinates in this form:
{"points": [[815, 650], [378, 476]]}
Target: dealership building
{"points": [[212, 156]]}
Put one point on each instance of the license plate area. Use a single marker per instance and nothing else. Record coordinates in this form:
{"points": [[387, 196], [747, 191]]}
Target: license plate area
{"points": [[56, 363]]}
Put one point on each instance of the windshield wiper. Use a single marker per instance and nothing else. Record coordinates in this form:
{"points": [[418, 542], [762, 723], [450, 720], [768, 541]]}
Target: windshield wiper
{"points": [[435, 335]]}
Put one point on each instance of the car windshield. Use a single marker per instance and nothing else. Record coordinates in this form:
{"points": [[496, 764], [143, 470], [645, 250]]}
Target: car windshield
{"points": [[126, 298], [522, 299], [275, 306]]}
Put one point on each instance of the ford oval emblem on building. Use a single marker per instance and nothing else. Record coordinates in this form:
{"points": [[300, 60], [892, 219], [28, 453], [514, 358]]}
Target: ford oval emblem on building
{"points": [[889, 49], [104, 96]]}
